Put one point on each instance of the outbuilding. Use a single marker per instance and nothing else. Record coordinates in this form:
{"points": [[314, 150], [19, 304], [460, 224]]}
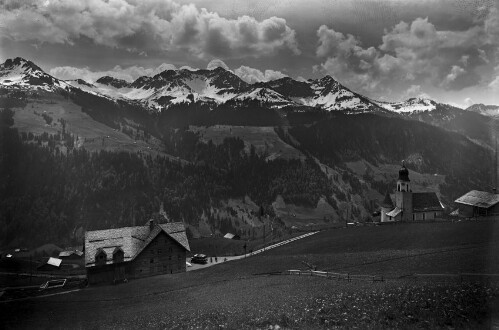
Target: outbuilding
{"points": [[51, 264], [478, 203], [232, 236]]}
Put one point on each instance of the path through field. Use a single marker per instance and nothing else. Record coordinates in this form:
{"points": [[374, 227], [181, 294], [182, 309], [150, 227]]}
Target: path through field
{"points": [[212, 262]]}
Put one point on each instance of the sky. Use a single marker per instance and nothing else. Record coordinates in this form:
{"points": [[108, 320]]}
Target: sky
{"points": [[390, 50]]}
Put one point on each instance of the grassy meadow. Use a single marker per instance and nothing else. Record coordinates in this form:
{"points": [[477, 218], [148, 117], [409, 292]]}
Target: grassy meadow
{"points": [[243, 293]]}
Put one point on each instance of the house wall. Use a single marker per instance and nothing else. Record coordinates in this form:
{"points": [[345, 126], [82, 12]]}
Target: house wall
{"points": [[466, 210], [100, 274], [384, 217], [162, 256], [166, 254], [403, 200], [424, 216], [494, 210]]}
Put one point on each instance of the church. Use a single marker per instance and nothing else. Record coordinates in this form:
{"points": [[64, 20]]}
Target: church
{"points": [[410, 206]]}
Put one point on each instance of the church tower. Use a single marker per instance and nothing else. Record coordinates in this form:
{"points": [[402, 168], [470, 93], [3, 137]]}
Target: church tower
{"points": [[403, 195]]}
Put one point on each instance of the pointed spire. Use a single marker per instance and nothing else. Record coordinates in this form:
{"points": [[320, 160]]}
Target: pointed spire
{"points": [[387, 202]]}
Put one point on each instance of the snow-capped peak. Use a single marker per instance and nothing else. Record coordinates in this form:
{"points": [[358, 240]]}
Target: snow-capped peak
{"points": [[264, 95], [414, 104], [22, 73]]}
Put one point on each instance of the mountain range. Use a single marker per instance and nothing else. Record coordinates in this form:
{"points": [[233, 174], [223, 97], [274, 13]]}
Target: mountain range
{"points": [[215, 87], [212, 149]]}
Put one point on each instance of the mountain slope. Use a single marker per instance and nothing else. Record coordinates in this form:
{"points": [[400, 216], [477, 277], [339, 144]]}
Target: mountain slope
{"points": [[486, 110], [19, 73], [409, 106]]}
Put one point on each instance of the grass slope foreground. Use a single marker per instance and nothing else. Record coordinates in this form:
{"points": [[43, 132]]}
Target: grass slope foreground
{"points": [[243, 295]]}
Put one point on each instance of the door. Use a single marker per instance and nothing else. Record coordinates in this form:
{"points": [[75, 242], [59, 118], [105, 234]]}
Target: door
{"points": [[119, 273]]}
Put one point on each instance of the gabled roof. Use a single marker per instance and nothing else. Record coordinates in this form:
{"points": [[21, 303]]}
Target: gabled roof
{"points": [[132, 240], [478, 198], [56, 262], [426, 201], [69, 253], [393, 213]]}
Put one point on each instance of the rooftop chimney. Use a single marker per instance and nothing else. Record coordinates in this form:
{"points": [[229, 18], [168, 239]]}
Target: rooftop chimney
{"points": [[151, 224]]}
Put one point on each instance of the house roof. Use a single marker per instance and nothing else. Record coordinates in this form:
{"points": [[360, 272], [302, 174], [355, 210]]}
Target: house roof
{"points": [[478, 198], [69, 253], [393, 213], [56, 262], [132, 240], [425, 201]]}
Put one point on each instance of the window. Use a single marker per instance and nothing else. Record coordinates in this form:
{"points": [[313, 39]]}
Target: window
{"points": [[424, 216], [170, 249], [100, 257], [169, 257], [159, 251], [151, 261], [179, 257], [118, 255]]}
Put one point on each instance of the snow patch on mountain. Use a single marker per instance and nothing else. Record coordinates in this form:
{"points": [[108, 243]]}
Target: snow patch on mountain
{"points": [[411, 105], [264, 95]]}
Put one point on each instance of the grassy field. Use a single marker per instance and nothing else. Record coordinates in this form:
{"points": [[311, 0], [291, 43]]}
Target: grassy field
{"points": [[92, 135], [238, 294], [265, 139]]}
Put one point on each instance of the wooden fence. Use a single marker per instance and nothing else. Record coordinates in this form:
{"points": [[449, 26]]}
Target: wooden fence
{"points": [[338, 276]]}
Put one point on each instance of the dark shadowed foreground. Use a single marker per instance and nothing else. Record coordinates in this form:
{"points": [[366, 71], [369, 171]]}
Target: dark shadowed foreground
{"points": [[242, 294]]}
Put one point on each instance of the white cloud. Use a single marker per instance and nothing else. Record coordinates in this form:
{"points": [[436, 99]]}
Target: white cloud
{"points": [[252, 75], [216, 63], [468, 101], [145, 25], [414, 91], [415, 53], [129, 74], [454, 73]]}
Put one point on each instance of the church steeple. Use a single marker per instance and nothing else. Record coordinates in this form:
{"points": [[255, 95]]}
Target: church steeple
{"points": [[404, 173], [403, 180]]}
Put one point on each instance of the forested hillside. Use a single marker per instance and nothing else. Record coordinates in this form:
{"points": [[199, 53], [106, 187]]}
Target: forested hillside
{"points": [[47, 193], [427, 149]]}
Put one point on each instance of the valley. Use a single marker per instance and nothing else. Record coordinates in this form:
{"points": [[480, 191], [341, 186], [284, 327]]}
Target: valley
{"points": [[309, 153]]}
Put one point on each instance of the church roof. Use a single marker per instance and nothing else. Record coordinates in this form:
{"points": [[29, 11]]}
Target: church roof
{"points": [[425, 201], [393, 213]]}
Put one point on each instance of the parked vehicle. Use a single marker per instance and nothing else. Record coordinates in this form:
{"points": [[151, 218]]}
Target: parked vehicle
{"points": [[199, 259]]}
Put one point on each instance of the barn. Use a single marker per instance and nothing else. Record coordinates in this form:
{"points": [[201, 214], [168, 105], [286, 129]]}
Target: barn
{"points": [[51, 264], [478, 204], [232, 236], [115, 255]]}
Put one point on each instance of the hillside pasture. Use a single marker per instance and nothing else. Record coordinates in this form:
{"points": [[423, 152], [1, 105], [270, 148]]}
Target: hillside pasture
{"points": [[92, 135], [243, 294], [265, 139], [323, 215]]}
